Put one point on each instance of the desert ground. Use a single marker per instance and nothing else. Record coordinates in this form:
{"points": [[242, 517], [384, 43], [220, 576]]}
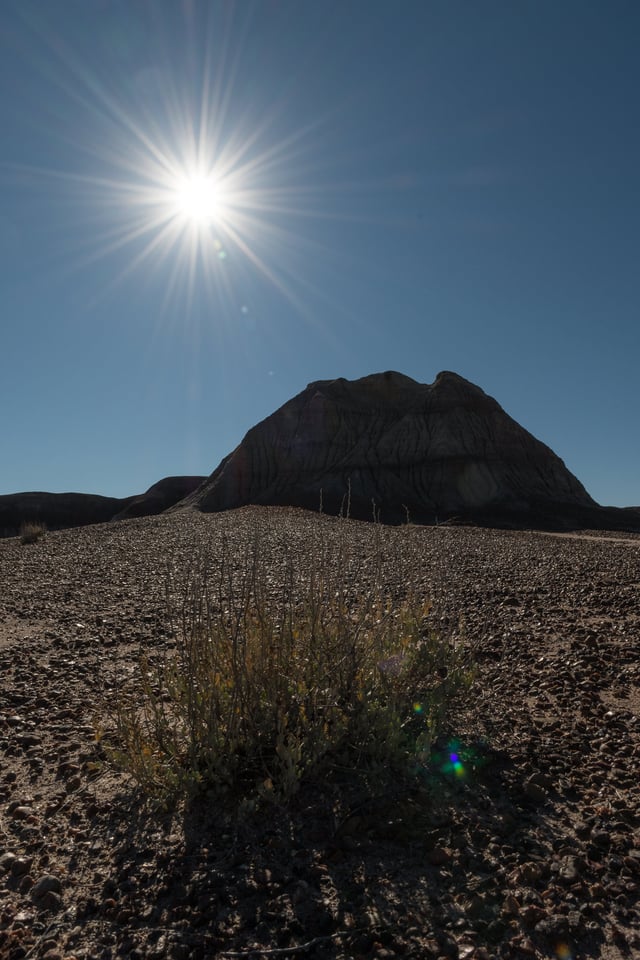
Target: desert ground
{"points": [[533, 852]]}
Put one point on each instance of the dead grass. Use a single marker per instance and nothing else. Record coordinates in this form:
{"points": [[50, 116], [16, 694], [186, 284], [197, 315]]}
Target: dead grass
{"points": [[279, 674], [31, 532]]}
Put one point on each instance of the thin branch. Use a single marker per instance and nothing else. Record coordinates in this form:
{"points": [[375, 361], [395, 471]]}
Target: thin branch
{"points": [[287, 951]]}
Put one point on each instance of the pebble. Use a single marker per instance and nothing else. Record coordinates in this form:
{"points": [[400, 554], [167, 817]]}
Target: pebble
{"points": [[534, 792], [47, 884], [438, 856], [511, 907], [570, 870], [21, 865], [6, 861], [553, 927], [22, 813]]}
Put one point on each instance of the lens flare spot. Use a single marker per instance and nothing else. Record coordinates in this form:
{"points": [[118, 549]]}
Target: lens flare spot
{"points": [[452, 761], [418, 708], [563, 952], [456, 764]]}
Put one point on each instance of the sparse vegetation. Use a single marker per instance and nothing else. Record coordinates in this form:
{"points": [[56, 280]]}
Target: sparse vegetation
{"points": [[355, 856], [31, 532], [279, 674]]}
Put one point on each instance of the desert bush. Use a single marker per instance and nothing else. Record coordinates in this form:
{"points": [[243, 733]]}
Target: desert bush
{"points": [[285, 670], [32, 532]]}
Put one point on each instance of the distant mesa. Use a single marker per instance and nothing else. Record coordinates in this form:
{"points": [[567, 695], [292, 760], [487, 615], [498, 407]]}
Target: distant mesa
{"points": [[159, 497], [384, 446], [59, 510], [54, 510], [390, 447]]}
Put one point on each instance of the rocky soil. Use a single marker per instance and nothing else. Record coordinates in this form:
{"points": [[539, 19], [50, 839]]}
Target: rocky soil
{"points": [[526, 846]]}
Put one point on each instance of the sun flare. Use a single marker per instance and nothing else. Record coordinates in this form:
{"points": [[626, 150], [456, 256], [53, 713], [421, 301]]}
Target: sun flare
{"points": [[191, 183]]}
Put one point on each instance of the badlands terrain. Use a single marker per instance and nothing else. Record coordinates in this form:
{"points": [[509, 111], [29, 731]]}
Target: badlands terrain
{"points": [[531, 850]]}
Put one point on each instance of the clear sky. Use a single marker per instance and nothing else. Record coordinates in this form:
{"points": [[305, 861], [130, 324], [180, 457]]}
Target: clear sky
{"points": [[205, 205]]}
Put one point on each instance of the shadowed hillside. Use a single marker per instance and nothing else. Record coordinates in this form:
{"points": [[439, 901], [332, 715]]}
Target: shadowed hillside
{"points": [[389, 447], [56, 511]]}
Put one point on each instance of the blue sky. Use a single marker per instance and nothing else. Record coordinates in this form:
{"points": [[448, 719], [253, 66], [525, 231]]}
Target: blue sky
{"points": [[414, 186]]}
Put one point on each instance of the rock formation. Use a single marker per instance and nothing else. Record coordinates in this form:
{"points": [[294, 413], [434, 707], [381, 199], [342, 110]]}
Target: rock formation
{"points": [[389, 446], [383, 446], [55, 510], [58, 510], [158, 497]]}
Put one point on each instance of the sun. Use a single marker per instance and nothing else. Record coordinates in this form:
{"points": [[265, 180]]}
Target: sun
{"points": [[190, 179], [199, 199], [208, 201]]}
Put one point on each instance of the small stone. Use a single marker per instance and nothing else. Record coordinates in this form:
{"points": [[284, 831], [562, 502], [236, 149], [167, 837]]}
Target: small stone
{"points": [[476, 906], [601, 838], [534, 792], [532, 914], [466, 951], [569, 870], [439, 856], [553, 927], [511, 906], [575, 921], [21, 865], [26, 883], [6, 861], [619, 936], [28, 739], [448, 948], [50, 901], [24, 916], [632, 861], [524, 948], [46, 884], [531, 872]]}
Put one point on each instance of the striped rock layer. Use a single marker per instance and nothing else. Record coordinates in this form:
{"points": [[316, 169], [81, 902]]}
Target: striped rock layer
{"points": [[389, 447]]}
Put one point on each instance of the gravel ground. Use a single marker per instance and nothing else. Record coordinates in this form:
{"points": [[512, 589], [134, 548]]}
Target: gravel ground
{"points": [[531, 850]]}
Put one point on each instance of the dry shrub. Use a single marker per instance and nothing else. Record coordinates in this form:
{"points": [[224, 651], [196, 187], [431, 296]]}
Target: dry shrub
{"points": [[32, 532], [284, 670]]}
